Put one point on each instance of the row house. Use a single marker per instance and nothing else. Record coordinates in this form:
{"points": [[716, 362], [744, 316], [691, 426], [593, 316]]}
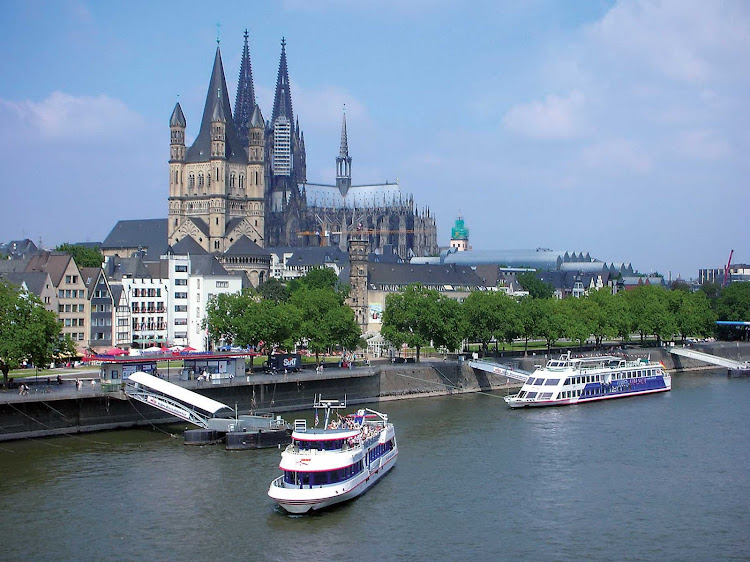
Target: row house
{"points": [[102, 308], [73, 306]]}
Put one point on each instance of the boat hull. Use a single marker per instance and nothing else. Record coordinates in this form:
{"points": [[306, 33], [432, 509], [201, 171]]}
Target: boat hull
{"points": [[520, 403], [305, 500]]}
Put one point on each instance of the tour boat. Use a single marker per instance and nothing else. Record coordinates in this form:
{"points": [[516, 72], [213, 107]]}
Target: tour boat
{"points": [[575, 380], [335, 463]]}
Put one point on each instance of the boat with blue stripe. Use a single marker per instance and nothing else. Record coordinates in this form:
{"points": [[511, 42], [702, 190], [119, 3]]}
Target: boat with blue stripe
{"points": [[576, 380]]}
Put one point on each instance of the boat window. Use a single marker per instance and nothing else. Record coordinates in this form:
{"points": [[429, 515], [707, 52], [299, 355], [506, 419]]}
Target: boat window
{"points": [[531, 381], [546, 396], [531, 395], [552, 382]]}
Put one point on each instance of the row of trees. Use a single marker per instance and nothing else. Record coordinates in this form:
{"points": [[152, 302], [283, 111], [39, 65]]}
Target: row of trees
{"points": [[310, 310], [420, 315], [28, 332]]}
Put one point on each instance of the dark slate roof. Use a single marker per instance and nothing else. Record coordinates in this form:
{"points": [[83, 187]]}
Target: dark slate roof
{"points": [[149, 234], [90, 276], [389, 255], [35, 280], [206, 265], [116, 268], [200, 151], [427, 274], [116, 291], [19, 248], [256, 121], [243, 246], [53, 263], [317, 255], [14, 265], [158, 269], [233, 223], [188, 246], [178, 117]]}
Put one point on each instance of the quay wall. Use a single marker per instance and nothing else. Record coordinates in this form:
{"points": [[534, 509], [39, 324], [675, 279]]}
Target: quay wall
{"points": [[66, 411]]}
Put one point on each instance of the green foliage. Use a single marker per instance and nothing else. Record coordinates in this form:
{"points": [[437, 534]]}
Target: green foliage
{"points": [[273, 290], [419, 316], [325, 320], [650, 313], [28, 332], [537, 288], [83, 255], [490, 314], [680, 285], [692, 313], [734, 302]]}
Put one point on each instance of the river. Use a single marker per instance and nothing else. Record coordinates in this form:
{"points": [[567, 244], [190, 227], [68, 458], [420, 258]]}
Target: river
{"points": [[661, 477]]}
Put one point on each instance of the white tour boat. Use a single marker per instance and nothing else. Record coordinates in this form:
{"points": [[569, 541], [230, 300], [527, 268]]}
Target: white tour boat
{"points": [[575, 380], [336, 463]]}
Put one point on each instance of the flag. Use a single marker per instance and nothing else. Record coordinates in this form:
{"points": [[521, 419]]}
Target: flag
{"points": [[316, 417]]}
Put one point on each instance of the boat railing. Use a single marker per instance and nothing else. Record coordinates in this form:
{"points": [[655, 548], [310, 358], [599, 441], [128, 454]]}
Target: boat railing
{"points": [[278, 482]]}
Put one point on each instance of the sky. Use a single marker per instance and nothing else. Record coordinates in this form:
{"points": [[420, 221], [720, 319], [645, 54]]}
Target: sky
{"points": [[617, 128]]}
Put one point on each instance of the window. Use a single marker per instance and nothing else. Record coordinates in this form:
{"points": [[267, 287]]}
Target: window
{"points": [[68, 278], [222, 284], [60, 308], [191, 181], [180, 268], [180, 308], [200, 180], [180, 295], [180, 322], [180, 281]]}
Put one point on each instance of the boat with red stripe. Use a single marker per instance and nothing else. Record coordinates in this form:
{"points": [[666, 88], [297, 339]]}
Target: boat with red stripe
{"points": [[335, 463]]}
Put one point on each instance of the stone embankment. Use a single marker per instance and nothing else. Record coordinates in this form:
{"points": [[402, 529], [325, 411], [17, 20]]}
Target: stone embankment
{"points": [[61, 409]]}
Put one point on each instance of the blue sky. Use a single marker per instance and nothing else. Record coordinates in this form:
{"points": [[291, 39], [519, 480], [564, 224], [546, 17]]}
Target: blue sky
{"points": [[617, 128]]}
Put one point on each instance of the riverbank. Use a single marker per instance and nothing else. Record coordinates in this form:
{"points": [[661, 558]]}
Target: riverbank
{"points": [[63, 409]]}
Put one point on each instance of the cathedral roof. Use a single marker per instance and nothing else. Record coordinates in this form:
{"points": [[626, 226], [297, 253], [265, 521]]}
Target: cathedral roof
{"points": [[430, 275], [200, 151], [243, 246], [178, 117], [244, 104]]}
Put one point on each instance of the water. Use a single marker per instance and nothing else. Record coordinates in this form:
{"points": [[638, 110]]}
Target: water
{"points": [[645, 478]]}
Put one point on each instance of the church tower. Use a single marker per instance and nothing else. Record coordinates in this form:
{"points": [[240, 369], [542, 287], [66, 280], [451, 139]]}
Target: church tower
{"points": [[358, 246], [216, 191]]}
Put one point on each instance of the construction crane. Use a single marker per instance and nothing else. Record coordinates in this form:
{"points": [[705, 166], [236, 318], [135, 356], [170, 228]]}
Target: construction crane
{"points": [[726, 269]]}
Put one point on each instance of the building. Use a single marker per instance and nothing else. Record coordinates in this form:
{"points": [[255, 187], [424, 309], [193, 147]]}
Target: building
{"points": [[102, 307], [73, 306], [460, 235]]}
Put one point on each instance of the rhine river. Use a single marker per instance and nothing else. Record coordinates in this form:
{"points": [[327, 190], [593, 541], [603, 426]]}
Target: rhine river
{"points": [[662, 477]]}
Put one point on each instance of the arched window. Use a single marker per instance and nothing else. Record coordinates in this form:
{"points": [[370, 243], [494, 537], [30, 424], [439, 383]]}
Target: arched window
{"points": [[200, 180], [242, 181], [191, 181], [232, 179]]}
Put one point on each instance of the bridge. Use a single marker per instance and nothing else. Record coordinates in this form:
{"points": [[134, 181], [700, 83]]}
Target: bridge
{"points": [[499, 369], [705, 357]]}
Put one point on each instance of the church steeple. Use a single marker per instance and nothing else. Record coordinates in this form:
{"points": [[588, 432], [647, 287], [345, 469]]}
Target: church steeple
{"points": [[344, 162], [217, 94], [245, 101]]}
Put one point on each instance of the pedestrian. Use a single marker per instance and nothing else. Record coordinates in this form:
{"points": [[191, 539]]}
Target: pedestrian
{"points": [[93, 384], [78, 384]]}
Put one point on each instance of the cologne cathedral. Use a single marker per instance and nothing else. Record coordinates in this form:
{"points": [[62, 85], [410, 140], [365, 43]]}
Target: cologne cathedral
{"points": [[244, 182]]}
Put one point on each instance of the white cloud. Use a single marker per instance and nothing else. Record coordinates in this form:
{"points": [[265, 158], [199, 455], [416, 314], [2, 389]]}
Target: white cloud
{"points": [[62, 116], [701, 144], [684, 40], [617, 155], [555, 118]]}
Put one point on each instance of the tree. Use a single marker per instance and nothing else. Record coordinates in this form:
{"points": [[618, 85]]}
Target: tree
{"points": [[551, 325], [577, 318], [418, 316], [325, 320], [273, 290], [734, 303], [530, 315], [490, 315], [650, 312], [693, 314], [83, 255], [609, 315], [537, 288], [28, 332]]}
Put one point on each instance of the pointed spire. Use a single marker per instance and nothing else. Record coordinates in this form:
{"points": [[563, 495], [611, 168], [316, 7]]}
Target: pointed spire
{"points": [[216, 95], [178, 117], [256, 121], [245, 101], [282, 101], [218, 112], [344, 149]]}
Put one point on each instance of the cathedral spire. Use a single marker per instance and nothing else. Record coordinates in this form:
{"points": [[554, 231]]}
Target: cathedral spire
{"points": [[282, 101], [245, 101], [344, 150], [344, 162]]}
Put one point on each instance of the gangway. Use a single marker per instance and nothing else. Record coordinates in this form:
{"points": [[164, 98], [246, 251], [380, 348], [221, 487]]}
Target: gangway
{"points": [[705, 357], [499, 369], [180, 402]]}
